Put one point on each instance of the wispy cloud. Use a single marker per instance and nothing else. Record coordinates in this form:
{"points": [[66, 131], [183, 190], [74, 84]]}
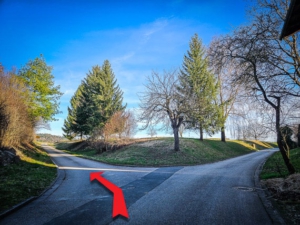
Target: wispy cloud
{"points": [[133, 53]]}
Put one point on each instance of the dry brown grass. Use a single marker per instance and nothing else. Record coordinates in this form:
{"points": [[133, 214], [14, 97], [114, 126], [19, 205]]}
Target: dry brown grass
{"points": [[286, 193], [15, 125]]}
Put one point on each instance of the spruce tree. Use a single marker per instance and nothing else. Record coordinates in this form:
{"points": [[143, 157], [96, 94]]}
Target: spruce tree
{"points": [[99, 98], [88, 113], [72, 127], [200, 86], [67, 128], [112, 99]]}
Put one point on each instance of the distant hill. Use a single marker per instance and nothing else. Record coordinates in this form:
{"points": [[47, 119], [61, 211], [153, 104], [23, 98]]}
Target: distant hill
{"points": [[49, 138]]}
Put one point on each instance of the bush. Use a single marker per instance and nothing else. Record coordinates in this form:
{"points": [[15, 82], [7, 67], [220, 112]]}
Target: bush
{"points": [[16, 126]]}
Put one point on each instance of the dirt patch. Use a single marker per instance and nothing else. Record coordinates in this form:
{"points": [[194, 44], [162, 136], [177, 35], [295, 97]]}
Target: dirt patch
{"points": [[285, 189], [286, 193]]}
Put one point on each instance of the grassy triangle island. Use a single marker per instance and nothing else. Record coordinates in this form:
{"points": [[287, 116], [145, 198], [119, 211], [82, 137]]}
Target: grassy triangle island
{"points": [[160, 151]]}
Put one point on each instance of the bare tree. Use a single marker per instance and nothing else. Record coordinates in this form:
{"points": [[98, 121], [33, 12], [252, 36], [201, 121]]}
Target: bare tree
{"points": [[151, 131], [249, 120], [256, 130], [121, 124], [228, 93], [236, 126], [161, 104], [115, 125], [130, 125], [270, 69]]}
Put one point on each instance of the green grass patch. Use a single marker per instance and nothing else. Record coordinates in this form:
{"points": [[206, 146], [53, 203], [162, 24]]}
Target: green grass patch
{"points": [[275, 167], [27, 178], [159, 152]]}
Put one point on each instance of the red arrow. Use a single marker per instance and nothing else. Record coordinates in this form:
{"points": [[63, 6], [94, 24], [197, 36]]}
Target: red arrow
{"points": [[119, 205]]}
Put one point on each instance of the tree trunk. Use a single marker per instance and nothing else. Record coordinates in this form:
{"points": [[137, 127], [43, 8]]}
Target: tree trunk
{"points": [[287, 162], [201, 133], [223, 137], [176, 139]]}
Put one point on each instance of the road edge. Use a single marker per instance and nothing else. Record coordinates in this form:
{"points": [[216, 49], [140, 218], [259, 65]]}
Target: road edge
{"points": [[51, 188], [265, 196]]}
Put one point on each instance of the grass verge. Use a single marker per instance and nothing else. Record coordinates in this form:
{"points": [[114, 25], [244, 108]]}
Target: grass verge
{"points": [[27, 178], [159, 152], [275, 167]]}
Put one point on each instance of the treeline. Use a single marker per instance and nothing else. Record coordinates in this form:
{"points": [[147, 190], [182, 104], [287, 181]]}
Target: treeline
{"points": [[266, 67], [28, 100], [96, 109], [192, 98], [251, 65], [44, 137]]}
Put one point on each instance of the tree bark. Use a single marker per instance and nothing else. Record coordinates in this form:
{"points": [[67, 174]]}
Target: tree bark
{"points": [[223, 137], [176, 139], [201, 133], [287, 162]]}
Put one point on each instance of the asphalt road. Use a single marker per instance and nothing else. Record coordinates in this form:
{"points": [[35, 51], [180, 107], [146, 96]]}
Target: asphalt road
{"points": [[217, 193]]}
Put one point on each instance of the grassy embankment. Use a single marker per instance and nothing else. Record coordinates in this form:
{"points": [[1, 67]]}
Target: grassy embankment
{"points": [[159, 152], [27, 178], [275, 167]]}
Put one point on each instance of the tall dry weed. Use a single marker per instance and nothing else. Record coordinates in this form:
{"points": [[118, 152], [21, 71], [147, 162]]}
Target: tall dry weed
{"points": [[15, 125]]}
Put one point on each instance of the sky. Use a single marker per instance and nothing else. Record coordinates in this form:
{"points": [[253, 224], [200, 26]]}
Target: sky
{"points": [[136, 36]]}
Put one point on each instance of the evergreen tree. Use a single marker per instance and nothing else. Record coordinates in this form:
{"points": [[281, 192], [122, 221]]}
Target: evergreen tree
{"points": [[71, 128], [116, 100], [101, 96], [200, 86], [98, 98], [67, 128], [112, 96], [88, 114]]}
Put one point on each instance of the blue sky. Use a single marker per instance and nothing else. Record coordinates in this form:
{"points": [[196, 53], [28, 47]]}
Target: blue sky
{"points": [[137, 37]]}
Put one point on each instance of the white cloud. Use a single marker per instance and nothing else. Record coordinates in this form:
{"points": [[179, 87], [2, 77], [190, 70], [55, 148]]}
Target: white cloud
{"points": [[69, 92], [133, 53]]}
